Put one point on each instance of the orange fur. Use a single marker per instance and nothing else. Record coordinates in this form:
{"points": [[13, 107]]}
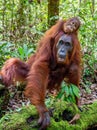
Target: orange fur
{"points": [[14, 70], [46, 73], [42, 71]]}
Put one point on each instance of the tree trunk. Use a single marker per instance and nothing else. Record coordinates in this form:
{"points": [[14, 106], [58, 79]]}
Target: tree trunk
{"points": [[21, 18], [53, 11]]}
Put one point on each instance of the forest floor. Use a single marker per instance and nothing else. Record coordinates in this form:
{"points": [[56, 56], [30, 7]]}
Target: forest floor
{"points": [[17, 98], [88, 96]]}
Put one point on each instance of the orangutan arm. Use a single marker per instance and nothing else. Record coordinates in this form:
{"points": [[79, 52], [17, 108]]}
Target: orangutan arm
{"points": [[37, 82]]}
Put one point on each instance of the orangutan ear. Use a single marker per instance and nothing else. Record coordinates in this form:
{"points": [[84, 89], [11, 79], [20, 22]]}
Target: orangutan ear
{"points": [[71, 25]]}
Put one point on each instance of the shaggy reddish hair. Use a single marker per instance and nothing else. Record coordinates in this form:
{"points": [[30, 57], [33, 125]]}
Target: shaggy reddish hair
{"points": [[42, 71]]}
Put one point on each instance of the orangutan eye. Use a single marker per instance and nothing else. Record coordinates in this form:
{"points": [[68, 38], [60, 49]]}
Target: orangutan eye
{"points": [[61, 42], [67, 43]]}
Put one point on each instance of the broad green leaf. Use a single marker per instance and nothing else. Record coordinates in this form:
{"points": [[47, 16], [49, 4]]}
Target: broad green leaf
{"points": [[66, 90], [60, 95], [76, 90], [70, 90]]}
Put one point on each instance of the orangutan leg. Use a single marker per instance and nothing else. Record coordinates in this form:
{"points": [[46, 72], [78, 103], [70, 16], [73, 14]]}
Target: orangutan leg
{"points": [[13, 70]]}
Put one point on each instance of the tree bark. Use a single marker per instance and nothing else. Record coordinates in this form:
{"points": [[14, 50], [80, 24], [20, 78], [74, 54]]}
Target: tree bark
{"points": [[53, 11]]}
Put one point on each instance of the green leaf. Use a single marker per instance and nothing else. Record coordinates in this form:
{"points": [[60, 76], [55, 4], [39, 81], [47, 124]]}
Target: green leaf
{"points": [[20, 49], [18, 109], [70, 90], [66, 90], [60, 94], [76, 90], [30, 51], [25, 49]]}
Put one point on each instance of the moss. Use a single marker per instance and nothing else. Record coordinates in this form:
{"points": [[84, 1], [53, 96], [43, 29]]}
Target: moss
{"points": [[13, 121], [17, 120], [61, 107], [88, 116]]}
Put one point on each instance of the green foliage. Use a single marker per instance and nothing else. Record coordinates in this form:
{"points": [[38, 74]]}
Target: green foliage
{"points": [[8, 50], [5, 51], [87, 13], [68, 92], [24, 22], [23, 52]]}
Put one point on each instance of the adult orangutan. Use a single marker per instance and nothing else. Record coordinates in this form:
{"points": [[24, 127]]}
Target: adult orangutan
{"points": [[58, 56]]}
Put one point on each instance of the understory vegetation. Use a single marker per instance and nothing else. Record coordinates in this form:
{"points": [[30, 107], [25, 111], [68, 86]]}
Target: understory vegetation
{"points": [[23, 23]]}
